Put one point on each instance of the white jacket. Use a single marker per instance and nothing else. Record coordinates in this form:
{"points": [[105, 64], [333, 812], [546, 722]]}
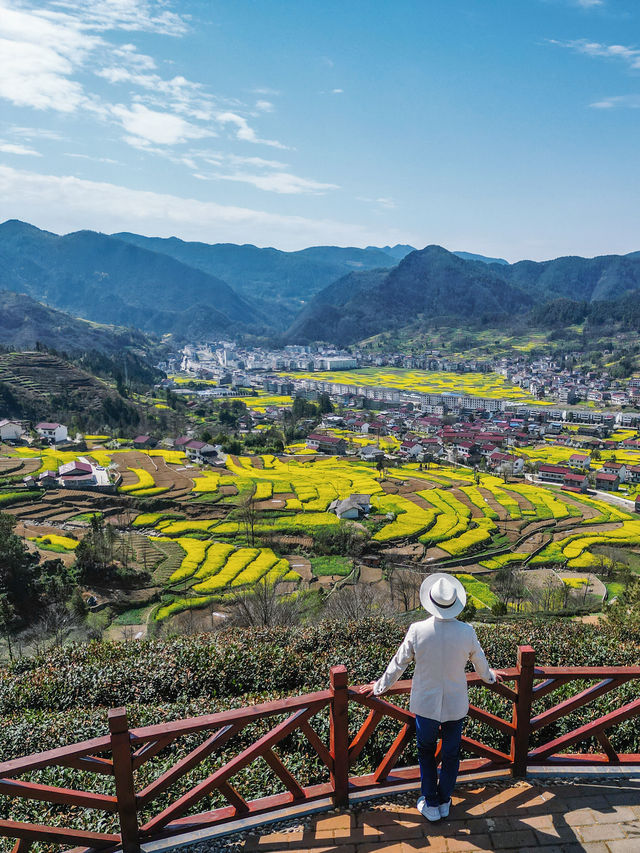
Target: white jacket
{"points": [[441, 649]]}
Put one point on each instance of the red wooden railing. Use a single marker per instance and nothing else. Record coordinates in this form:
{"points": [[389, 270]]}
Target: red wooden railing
{"points": [[122, 752]]}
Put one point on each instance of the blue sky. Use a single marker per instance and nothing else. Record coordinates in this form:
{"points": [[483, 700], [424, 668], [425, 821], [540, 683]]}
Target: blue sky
{"points": [[506, 127]]}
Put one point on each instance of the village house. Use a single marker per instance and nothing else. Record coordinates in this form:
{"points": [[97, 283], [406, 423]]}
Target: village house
{"points": [[144, 442], [353, 507], [553, 473], [633, 474], [371, 453], [10, 430], [329, 444], [619, 469], [52, 432], [607, 482], [48, 479], [498, 461], [200, 451], [577, 481], [411, 449], [578, 461]]}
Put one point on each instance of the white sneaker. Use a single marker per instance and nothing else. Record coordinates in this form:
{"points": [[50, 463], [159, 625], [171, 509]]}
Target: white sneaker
{"points": [[432, 813], [444, 809]]}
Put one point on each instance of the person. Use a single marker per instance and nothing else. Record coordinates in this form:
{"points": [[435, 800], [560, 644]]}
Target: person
{"points": [[440, 646]]}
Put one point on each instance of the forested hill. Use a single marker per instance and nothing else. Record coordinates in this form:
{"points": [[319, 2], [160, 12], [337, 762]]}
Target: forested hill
{"points": [[432, 282], [269, 277], [435, 283], [323, 293], [24, 323], [107, 280]]}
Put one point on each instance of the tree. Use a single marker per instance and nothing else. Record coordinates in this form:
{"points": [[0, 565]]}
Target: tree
{"points": [[354, 602], [263, 605], [17, 568], [404, 585], [624, 613], [249, 514], [8, 622]]}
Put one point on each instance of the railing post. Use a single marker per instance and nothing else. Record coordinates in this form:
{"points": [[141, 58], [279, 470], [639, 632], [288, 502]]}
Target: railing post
{"points": [[123, 772], [522, 711], [340, 735]]}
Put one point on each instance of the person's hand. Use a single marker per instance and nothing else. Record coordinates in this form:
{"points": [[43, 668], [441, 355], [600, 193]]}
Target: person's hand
{"points": [[367, 690], [499, 674]]}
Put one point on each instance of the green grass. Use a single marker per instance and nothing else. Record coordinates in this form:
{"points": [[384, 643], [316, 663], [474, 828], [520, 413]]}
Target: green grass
{"points": [[614, 589], [135, 616], [334, 565]]}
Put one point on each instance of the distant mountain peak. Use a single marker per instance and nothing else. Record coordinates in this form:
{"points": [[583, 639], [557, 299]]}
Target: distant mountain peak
{"points": [[470, 256]]}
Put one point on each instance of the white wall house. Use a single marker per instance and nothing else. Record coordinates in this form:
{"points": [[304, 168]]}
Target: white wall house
{"points": [[53, 432], [10, 430]]}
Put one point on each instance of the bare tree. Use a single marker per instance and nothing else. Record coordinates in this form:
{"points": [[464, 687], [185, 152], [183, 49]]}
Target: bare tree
{"points": [[263, 605], [355, 601], [404, 585], [249, 515]]}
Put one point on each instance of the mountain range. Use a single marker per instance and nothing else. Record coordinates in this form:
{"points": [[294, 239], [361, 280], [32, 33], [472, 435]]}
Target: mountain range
{"points": [[329, 293], [440, 285]]}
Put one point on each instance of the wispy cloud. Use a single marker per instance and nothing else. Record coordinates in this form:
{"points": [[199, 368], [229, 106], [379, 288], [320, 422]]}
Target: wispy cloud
{"points": [[244, 131], [279, 182], [73, 203], [382, 202], [35, 133], [628, 101], [23, 150], [134, 15], [50, 50], [160, 128], [79, 156], [589, 4], [628, 55]]}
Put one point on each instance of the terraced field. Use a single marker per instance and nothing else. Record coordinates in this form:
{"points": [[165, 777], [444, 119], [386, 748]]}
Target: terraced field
{"points": [[198, 549]]}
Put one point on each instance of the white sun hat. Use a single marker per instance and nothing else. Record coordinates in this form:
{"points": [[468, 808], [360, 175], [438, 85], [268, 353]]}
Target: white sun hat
{"points": [[443, 595]]}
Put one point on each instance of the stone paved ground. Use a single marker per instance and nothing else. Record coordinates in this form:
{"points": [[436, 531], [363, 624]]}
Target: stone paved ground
{"points": [[597, 817]]}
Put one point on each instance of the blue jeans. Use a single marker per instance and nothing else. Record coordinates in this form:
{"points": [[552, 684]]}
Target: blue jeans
{"points": [[427, 732]]}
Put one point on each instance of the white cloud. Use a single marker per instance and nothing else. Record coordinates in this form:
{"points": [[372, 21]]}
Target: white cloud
{"points": [[11, 148], [67, 203], [260, 162], [46, 46], [337, 91], [35, 133], [630, 55], [244, 132], [155, 127], [589, 4], [279, 182], [630, 101], [39, 56], [135, 15], [383, 202], [93, 159]]}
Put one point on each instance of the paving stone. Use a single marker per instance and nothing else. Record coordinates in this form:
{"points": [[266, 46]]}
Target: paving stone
{"points": [[339, 821], [579, 817], [474, 842], [625, 845], [518, 838], [618, 814], [601, 832]]}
